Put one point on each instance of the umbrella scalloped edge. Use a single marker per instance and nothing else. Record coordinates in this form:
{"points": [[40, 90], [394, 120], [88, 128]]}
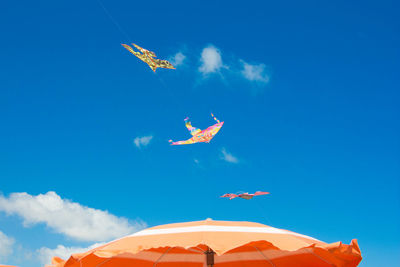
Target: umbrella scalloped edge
{"points": [[342, 254]]}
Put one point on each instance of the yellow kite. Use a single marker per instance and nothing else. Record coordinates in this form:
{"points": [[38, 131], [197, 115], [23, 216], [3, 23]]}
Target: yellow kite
{"points": [[149, 58]]}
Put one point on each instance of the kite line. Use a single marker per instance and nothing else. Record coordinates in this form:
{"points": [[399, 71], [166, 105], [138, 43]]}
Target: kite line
{"points": [[113, 20], [123, 32]]}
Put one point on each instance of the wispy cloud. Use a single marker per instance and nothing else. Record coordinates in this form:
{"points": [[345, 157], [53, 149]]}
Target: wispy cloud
{"points": [[211, 60], [66, 217], [228, 157], [46, 254], [6, 246], [255, 73], [177, 59], [142, 141]]}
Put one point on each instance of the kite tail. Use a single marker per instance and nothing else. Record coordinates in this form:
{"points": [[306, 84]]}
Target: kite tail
{"points": [[192, 130], [217, 120]]}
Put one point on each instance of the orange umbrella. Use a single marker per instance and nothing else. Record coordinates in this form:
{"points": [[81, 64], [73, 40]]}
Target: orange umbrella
{"points": [[219, 243]]}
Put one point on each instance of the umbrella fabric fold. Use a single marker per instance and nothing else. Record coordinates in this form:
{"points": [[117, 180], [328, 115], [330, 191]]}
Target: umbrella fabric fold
{"points": [[219, 244]]}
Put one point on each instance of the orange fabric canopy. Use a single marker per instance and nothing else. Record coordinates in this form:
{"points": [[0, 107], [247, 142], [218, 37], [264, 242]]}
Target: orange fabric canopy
{"points": [[219, 243]]}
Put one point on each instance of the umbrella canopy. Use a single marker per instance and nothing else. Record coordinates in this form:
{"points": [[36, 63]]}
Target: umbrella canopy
{"points": [[219, 243]]}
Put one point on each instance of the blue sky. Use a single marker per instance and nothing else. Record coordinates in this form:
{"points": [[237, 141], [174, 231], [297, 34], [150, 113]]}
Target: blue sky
{"points": [[309, 93]]}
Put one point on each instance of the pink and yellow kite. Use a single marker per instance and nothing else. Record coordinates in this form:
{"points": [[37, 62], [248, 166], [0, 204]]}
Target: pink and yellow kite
{"points": [[200, 135]]}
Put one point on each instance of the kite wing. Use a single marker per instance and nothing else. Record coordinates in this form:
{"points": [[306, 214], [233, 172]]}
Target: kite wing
{"points": [[231, 196], [185, 142], [144, 51], [130, 49], [193, 130], [259, 193]]}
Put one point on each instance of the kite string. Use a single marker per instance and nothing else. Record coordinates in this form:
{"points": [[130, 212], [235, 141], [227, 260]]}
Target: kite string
{"points": [[127, 36], [113, 20], [178, 104]]}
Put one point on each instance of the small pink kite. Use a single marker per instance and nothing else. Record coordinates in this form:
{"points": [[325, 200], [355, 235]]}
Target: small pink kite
{"points": [[245, 195]]}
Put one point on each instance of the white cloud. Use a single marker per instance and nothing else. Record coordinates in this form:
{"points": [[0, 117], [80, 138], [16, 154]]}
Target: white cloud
{"points": [[255, 72], [142, 141], [46, 254], [228, 157], [177, 59], [211, 60], [66, 217], [6, 245]]}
